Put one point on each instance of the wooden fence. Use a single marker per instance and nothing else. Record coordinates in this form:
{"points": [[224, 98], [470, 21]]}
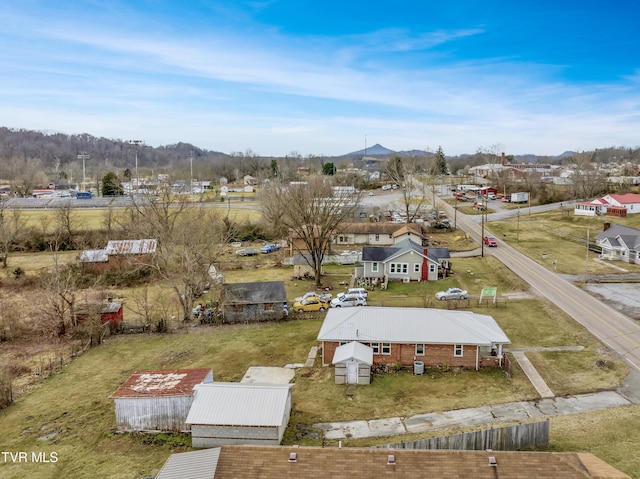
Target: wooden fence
{"points": [[509, 438]]}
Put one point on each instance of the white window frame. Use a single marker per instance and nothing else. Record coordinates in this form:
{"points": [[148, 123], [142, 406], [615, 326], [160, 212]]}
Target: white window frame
{"points": [[432, 268], [399, 268], [375, 347], [420, 349], [375, 266], [416, 267], [377, 237], [385, 348], [458, 350]]}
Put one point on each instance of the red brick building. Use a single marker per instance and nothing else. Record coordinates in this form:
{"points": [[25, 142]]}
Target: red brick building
{"points": [[403, 336]]}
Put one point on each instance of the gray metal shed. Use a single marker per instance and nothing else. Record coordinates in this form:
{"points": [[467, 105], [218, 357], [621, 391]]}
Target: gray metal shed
{"points": [[151, 401], [239, 413], [353, 363]]}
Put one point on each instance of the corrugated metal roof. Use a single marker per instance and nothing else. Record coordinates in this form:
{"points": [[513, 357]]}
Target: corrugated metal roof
{"points": [[191, 465], [353, 350], [239, 404], [141, 246], [94, 256], [410, 325], [176, 382]]}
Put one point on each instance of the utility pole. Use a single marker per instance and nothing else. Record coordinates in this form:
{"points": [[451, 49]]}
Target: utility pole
{"points": [[83, 156], [191, 177], [136, 143]]}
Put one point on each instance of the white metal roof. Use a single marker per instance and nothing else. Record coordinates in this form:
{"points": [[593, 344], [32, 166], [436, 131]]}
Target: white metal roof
{"points": [[239, 404], [410, 325], [353, 350], [94, 256], [191, 465], [140, 246]]}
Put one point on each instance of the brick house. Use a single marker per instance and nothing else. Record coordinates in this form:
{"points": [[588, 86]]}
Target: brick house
{"points": [[404, 335]]}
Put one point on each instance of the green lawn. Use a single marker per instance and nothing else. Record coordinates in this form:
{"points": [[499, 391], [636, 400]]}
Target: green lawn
{"points": [[556, 234]]}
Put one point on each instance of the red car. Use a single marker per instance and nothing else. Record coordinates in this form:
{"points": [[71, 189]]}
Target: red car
{"points": [[490, 241]]}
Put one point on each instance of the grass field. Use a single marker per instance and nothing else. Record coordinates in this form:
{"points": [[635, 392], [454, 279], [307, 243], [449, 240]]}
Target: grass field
{"points": [[87, 219], [557, 234]]}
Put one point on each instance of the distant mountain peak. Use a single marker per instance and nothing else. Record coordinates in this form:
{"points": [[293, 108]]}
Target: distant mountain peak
{"points": [[375, 150]]}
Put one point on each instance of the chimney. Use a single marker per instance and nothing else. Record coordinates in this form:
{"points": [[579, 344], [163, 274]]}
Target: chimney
{"points": [[606, 225], [502, 159]]}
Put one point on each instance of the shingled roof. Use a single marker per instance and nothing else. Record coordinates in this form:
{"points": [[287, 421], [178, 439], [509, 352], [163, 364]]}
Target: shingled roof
{"points": [[277, 462]]}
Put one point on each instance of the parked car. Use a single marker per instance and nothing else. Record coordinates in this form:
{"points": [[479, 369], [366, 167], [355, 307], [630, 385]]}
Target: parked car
{"points": [[359, 291], [491, 196], [247, 252], [452, 293], [270, 248], [490, 241], [314, 303], [311, 294], [344, 300]]}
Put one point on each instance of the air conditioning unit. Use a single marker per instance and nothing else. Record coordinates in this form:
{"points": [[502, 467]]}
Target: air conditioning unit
{"points": [[406, 279]]}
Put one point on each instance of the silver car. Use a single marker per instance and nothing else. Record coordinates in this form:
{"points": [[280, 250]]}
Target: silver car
{"points": [[452, 293], [344, 300]]}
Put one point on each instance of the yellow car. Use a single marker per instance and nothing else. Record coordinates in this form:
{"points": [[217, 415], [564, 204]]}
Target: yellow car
{"points": [[313, 303]]}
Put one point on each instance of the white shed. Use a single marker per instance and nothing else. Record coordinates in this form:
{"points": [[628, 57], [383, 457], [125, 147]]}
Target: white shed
{"points": [[353, 363], [239, 413], [154, 401]]}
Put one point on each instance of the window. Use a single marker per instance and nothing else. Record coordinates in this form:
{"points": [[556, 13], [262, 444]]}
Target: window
{"points": [[342, 343], [377, 237], [238, 308], [342, 239], [400, 268], [268, 306], [374, 267], [457, 350], [375, 347], [416, 267], [386, 348], [419, 349]]}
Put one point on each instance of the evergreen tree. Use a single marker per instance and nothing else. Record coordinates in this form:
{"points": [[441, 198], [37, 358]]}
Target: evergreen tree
{"points": [[111, 185], [441, 167], [328, 169]]}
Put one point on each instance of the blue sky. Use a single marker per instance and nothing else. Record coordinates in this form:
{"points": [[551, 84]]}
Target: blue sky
{"points": [[326, 78]]}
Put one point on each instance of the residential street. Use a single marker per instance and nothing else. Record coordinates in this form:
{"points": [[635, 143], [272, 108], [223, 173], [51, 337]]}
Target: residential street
{"points": [[616, 330]]}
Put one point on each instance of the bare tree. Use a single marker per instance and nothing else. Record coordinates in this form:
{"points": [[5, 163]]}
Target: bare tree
{"points": [[189, 238], [409, 175], [12, 231], [587, 179], [310, 212], [60, 294]]}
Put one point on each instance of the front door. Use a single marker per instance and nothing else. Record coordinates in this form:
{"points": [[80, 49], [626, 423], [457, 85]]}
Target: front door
{"points": [[352, 372]]}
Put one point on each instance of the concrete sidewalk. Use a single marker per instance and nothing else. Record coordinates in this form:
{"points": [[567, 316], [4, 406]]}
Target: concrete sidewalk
{"points": [[488, 415]]}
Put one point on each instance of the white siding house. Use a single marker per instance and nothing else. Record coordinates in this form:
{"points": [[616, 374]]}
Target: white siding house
{"points": [[151, 401], [239, 413]]}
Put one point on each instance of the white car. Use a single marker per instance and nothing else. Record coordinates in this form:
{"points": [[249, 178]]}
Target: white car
{"points": [[344, 300], [452, 293]]}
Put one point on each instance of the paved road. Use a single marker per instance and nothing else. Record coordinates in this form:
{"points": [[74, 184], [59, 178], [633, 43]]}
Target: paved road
{"points": [[616, 330]]}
